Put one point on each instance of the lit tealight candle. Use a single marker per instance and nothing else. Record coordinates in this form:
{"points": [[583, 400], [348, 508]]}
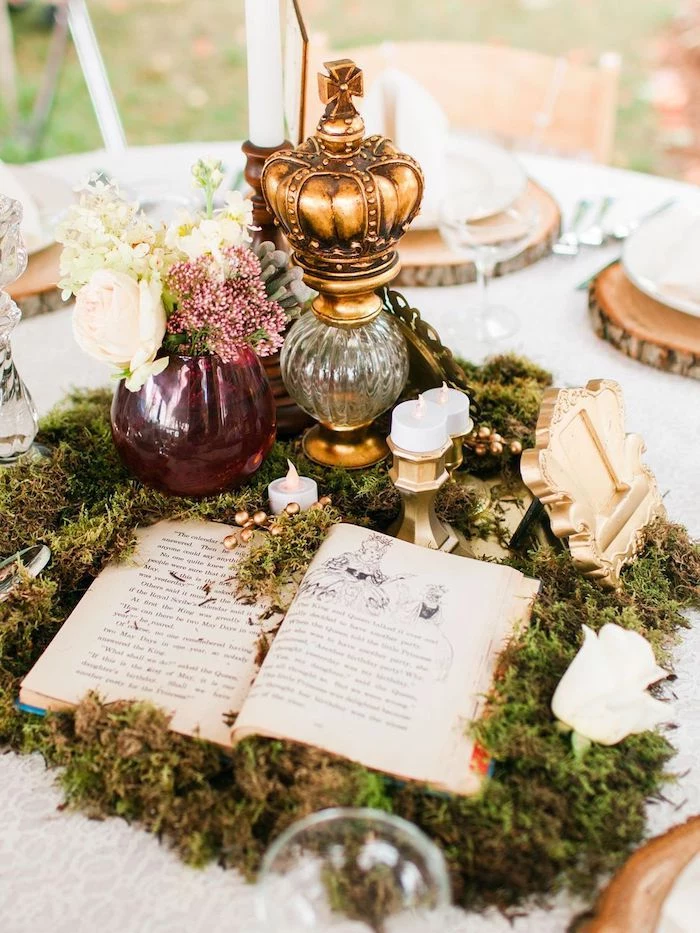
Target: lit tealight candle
{"points": [[292, 488], [418, 426], [455, 404]]}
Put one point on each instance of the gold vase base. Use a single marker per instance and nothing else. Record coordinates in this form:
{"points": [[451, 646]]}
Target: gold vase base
{"points": [[351, 450]]}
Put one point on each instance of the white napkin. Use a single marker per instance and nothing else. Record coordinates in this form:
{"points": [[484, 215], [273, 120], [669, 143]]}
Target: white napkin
{"points": [[679, 269], [399, 107], [11, 186]]}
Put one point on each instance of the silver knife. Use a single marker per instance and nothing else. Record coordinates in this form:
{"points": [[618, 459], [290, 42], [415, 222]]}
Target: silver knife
{"points": [[630, 228]]}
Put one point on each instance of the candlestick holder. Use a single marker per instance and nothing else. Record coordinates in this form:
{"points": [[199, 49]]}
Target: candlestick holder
{"points": [[455, 455], [418, 477], [291, 420], [343, 202], [255, 157]]}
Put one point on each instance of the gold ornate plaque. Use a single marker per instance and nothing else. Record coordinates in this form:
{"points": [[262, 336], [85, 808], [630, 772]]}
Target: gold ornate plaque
{"points": [[430, 362], [590, 477]]}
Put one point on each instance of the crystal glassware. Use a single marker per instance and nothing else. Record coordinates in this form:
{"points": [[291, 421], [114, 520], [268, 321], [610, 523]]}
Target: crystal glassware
{"points": [[345, 376], [200, 427], [357, 863], [18, 418], [472, 230]]}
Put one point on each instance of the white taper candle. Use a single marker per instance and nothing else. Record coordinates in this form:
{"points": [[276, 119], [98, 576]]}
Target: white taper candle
{"points": [[265, 85]]}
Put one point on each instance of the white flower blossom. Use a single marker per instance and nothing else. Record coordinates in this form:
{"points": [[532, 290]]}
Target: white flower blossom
{"points": [[196, 236], [103, 231], [136, 378], [603, 694], [121, 322]]}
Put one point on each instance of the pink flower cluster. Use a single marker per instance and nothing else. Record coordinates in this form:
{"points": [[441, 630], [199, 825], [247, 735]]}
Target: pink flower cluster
{"points": [[225, 303]]}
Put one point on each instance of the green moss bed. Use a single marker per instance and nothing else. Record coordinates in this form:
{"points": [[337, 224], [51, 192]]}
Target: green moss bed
{"points": [[545, 820]]}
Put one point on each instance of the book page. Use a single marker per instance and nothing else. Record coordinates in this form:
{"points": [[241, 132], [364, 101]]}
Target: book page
{"points": [[165, 627], [382, 656]]}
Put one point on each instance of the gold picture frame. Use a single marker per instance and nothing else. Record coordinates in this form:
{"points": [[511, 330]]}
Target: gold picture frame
{"points": [[588, 474], [430, 362]]}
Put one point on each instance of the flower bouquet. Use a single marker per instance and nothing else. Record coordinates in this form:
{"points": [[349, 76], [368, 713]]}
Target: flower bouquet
{"points": [[182, 313]]}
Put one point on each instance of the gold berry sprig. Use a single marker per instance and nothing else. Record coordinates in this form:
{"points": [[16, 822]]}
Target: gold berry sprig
{"points": [[484, 440], [261, 521]]}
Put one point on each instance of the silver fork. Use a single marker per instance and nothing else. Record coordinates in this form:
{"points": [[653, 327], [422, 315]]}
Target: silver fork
{"points": [[568, 242], [595, 235]]}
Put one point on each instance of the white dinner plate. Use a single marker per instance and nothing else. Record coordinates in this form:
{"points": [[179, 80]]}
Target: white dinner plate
{"points": [[474, 162], [51, 196], [646, 254]]}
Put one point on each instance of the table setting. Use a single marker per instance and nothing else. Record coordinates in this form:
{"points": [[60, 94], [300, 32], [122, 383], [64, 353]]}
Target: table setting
{"points": [[238, 468]]}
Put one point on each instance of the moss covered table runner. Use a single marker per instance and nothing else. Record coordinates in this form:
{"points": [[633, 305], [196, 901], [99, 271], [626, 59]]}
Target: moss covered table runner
{"points": [[545, 819]]}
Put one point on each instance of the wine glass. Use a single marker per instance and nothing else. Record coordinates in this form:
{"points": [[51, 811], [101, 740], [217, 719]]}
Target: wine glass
{"points": [[359, 866], [472, 228]]}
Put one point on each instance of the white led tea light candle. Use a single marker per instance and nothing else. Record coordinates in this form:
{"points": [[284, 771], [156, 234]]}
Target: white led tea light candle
{"points": [[455, 405], [418, 426], [292, 488]]}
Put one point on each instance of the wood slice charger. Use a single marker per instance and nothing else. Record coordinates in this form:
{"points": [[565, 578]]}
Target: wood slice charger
{"points": [[643, 328], [36, 290], [427, 260], [633, 901]]}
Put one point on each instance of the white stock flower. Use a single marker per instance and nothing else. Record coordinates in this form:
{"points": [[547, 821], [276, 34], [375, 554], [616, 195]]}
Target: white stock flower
{"points": [[119, 320], [239, 209], [603, 694], [197, 236], [103, 231], [207, 172]]}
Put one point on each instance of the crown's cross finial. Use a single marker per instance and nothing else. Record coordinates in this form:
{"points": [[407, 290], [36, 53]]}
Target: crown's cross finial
{"points": [[339, 86]]}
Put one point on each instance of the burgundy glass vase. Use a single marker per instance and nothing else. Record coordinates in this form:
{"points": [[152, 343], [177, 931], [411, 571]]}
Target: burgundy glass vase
{"points": [[200, 427]]}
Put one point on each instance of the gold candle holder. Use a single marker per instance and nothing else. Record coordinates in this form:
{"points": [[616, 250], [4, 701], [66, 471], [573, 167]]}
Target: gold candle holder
{"points": [[418, 477], [343, 201], [455, 455]]}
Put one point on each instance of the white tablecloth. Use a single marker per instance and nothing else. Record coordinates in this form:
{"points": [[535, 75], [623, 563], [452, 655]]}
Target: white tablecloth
{"points": [[62, 873]]}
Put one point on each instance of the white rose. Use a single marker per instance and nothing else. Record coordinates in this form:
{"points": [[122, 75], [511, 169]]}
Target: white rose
{"points": [[119, 320], [603, 694]]}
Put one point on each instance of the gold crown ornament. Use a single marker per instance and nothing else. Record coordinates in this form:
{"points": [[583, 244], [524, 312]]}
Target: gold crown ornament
{"points": [[344, 201]]}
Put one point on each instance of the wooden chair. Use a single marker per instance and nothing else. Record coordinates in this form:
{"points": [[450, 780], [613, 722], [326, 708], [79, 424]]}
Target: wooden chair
{"points": [[524, 99]]}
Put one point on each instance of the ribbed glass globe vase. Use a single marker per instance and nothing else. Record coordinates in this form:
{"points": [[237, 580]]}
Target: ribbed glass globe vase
{"points": [[345, 376]]}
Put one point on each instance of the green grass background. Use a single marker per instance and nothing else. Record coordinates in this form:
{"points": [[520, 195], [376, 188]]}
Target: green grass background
{"points": [[178, 66]]}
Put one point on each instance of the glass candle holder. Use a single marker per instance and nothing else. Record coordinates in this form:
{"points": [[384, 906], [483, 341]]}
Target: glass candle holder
{"points": [[345, 377], [358, 863]]}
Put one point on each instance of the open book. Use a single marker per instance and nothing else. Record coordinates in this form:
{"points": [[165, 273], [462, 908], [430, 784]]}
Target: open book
{"points": [[383, 657]]}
